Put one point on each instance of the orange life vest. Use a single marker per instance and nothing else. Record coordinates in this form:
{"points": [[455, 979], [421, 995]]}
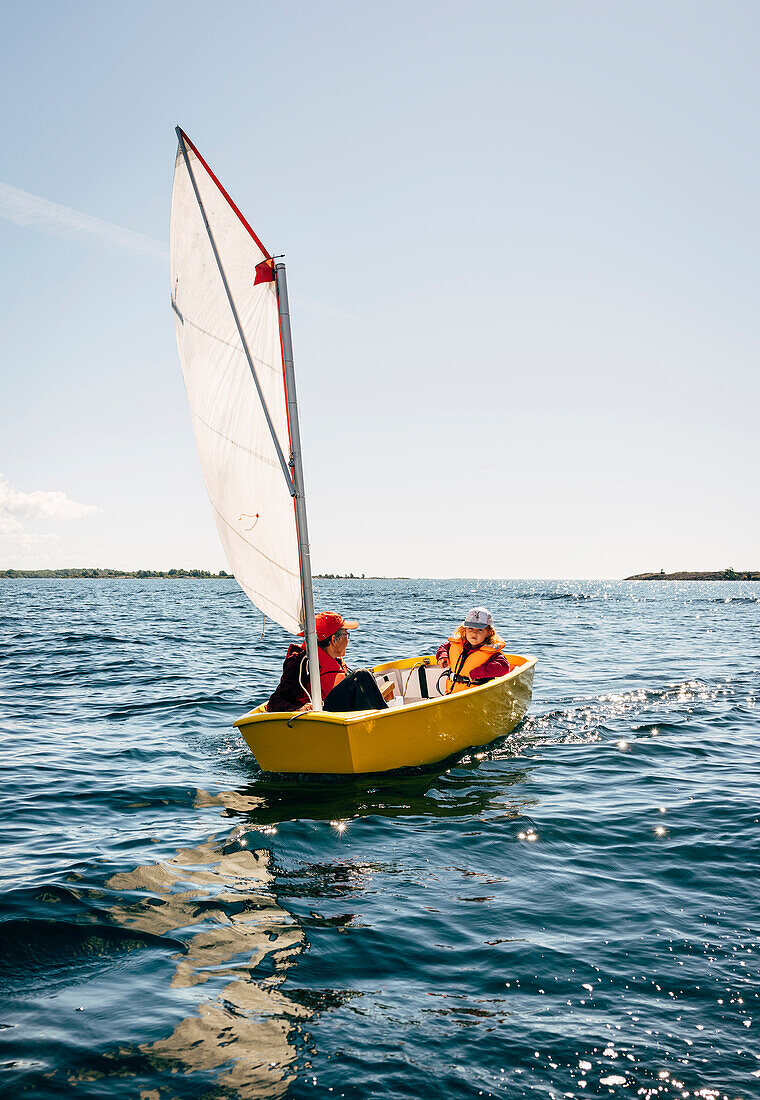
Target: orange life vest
{"points": [[331, 671], [462, 665]]}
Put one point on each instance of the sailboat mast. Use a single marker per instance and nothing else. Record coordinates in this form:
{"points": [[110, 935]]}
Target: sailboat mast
{"points": [[310, 628]]}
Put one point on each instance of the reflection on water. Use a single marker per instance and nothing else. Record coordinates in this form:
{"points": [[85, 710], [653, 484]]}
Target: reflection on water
{"points": [[219, 900], [243, 1036], [220, 905], [463, 790]]}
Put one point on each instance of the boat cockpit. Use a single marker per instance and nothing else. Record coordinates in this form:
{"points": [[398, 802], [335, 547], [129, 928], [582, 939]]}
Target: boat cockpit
{"points": [[419, 679]]}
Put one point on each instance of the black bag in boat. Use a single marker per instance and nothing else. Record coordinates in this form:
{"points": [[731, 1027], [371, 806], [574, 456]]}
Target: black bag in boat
{"points": [[357, 692]]}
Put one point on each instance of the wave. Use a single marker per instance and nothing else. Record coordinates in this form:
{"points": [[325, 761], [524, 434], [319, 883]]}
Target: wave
{"points": [[34, 950], [726, 599], [177, 704], [613, 713]]}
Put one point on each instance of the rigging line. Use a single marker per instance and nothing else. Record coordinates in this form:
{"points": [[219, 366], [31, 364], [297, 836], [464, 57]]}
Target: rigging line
{"points": [[247, 588], [275, 440]]}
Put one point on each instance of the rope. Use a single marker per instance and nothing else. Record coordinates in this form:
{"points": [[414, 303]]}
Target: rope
{"points": [[422, 664], [301, 667]]}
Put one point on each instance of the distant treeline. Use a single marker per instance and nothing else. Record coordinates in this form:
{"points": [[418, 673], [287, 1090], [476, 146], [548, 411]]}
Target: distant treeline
{"points": [[341, 577], [155, 574], [722, 575], [115, 574], [353, 577]]}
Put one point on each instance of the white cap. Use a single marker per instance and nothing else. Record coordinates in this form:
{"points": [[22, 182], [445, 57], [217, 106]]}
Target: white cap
{"points": [[479, 617]]}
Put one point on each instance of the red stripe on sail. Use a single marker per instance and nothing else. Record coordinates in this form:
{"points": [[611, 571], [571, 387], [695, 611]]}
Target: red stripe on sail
{"points": [[268, 261], [227, 197]]}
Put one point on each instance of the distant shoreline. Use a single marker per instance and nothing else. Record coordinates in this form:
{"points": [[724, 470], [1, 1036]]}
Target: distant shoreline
{"points": [[723, 575], [114, 574], [157, 574], [205, 575], [356, 577]]}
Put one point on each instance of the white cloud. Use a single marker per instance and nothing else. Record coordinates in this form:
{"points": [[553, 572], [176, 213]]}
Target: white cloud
{"points": [[9, 525], [61, 221], [13, 529], [52, 506]]}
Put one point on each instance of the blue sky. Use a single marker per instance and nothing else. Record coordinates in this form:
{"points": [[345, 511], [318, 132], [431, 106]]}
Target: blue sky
{"points": [[522, 246]]}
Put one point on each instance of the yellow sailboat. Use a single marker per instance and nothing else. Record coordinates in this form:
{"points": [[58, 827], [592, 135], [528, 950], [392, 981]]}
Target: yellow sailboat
{"points": [[232, 318], [417, 731]]}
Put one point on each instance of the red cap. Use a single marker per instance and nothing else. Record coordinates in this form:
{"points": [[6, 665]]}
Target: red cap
{"points": [[328, 623]]}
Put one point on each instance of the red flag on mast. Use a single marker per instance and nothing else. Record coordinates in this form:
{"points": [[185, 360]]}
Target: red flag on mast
{"points": [[264, 272]]}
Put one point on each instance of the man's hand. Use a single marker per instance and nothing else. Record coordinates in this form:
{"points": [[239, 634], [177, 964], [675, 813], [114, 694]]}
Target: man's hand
{"points": [[443, 661]]}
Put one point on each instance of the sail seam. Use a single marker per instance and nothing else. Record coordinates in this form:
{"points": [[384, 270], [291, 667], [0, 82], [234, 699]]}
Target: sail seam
{"points": [[265, 599], [261, 553], [234, 443], [220, 340]]}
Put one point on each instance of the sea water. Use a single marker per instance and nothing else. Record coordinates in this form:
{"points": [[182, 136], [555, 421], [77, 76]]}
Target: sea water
{"points": [[571, 912]]}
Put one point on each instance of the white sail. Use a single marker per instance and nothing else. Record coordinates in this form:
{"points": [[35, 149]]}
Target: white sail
{"points": [[249, 494]]}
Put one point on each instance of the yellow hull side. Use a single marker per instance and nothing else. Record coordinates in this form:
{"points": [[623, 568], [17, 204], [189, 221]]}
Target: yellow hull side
{"points": [[382, 740]]}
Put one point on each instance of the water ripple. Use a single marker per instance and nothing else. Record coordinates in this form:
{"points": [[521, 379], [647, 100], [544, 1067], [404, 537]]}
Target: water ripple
{"points": [[569, 912]]}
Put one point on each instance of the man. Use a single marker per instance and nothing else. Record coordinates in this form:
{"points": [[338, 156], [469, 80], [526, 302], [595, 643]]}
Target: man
{"points": [[342, 690]]}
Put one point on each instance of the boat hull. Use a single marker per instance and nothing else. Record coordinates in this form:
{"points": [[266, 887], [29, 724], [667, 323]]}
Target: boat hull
{"points": [[419, 733]]}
